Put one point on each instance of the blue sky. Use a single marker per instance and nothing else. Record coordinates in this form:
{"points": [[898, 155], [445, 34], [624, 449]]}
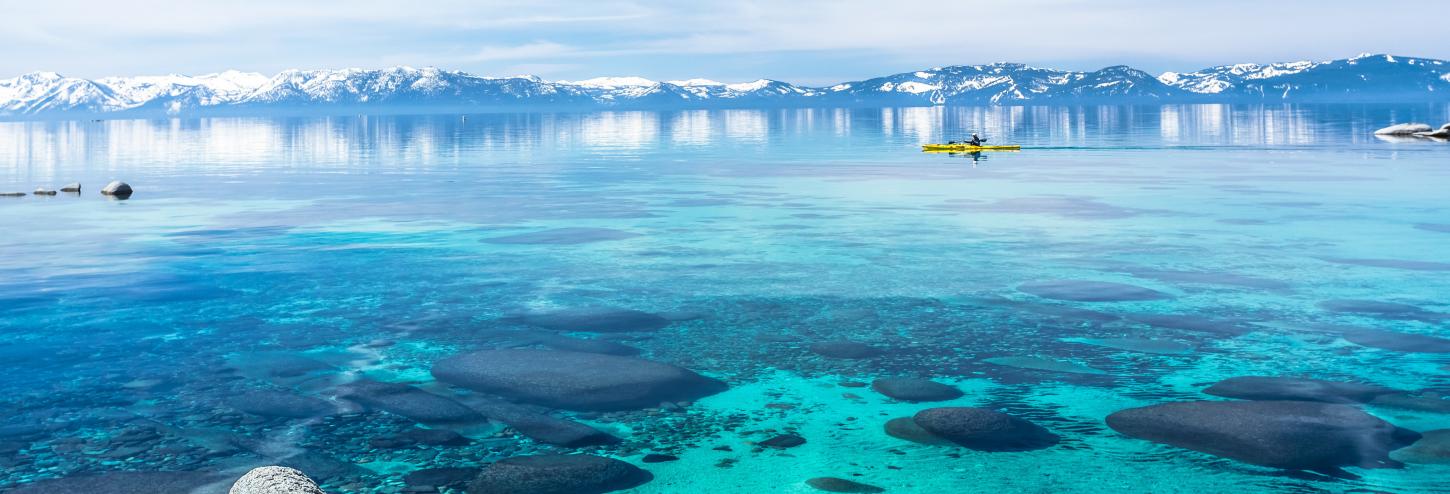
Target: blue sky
{"points": [[804, 41]]}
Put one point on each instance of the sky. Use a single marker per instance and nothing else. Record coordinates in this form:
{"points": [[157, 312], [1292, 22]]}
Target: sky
{"points": [[814, 42]]}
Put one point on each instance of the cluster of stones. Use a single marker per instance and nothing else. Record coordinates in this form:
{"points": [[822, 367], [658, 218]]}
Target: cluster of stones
{"points": [[116, 189]]}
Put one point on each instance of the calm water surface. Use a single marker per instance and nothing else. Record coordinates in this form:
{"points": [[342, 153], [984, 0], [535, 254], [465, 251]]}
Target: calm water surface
{"points": [[243, 306]]}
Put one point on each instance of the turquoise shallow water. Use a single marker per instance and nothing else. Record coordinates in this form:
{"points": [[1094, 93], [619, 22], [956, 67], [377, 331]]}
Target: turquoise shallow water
{"points": [[301, 256]]}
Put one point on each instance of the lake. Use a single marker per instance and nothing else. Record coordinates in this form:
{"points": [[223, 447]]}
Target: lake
{"points": [[385, 302]]}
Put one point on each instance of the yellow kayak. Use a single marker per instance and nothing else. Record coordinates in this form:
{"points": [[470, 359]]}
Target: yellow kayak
{"points": [[967, 147]]}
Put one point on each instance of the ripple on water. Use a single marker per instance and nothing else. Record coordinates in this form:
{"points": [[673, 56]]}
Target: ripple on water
{"points": [[563, 236]]}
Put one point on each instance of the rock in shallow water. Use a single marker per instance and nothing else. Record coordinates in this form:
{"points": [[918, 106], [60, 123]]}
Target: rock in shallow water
{"points": [[573, 380], [274, 480], [1396, 341], [1432, 448], [1295, 389], [984, 430], [1380, 310], [1091, 291], [269, 403], [906, 428], [410, 402], [1042, 364], [844, 349], [1293, 435], [441, 477], [1403, 129], [117, 189], [833, 484], [908, 389], [71, 187], [563, 236], [121, 483], [783, 441], [557, 474], [596, 320]]}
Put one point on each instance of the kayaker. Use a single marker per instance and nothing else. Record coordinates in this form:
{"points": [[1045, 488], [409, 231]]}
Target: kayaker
{"points": [[976, 141]]}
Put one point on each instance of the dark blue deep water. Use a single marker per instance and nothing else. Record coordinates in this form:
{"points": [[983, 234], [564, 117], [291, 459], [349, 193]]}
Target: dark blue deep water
{"points": [[300, 291]]}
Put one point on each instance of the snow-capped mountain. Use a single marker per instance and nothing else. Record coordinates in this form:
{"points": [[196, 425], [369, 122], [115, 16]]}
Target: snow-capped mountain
{"points": [[431, 90], [1362, 78]]}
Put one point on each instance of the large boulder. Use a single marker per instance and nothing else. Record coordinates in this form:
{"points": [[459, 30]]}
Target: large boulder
{"points": [[908, 389], [1433, 448], [596, 320], [118, 189], [984, 430], [1297, 389], [574, 380], [1403, 129], [1293, 435], [557, 474], [274, 480], [410, 402]]}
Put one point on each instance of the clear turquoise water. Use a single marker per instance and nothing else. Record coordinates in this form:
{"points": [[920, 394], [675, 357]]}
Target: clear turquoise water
{"points": [[250, 242]]}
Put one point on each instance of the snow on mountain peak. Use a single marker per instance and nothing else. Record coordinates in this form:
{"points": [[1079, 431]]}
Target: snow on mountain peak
{"points": [[755, 85], [697, 82], [612, 82]]}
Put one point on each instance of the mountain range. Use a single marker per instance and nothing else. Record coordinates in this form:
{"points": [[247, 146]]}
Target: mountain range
{"points": [[1365, 78]]}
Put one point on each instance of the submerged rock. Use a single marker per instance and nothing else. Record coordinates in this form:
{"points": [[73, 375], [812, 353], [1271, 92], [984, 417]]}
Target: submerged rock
{"points": [[1393, 264], [1399, 342], [1293, 388], [120, 483], [274, 480], [563, 236], [455, 477], [1293, 435], [1403, 129], [574, 380], [1433, 448], [844, 349], [118, 189], [596, 320], [1091, 291], [908, 389], [984, 430], [410, 402], [833, 484], [559, 432], [269, 403], [1381, 310], [1189, 322], [1428, 401], [906, 428], [582, 345], [1042, 364], [71, 187], [1157, 347], [783, 441], [557, 474]]}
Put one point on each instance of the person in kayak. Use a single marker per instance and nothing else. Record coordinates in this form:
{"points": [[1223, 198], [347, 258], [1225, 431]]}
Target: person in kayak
{"points": [[975, 141]]}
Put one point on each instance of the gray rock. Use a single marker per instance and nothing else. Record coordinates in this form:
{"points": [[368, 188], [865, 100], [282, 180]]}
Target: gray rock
{"points": [[574, 380], [441, 477], [1403, 129], [984, 430], [557, 474], [1296, 389], [118, 189], [13, 194], [120, 483], [906, 428], [908, 389], [844, 349], [1445, 127], [834, 484], [410, 402], [42, 191], [1293, 435], [783, 441], [71, 187], [1433, 448], [269, 403], [274, 480], [1091, 291], [1440, 133], [596, 320]]}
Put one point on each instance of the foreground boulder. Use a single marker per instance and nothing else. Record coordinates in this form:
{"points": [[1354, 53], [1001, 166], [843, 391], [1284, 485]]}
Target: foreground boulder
{"points": [[1403, 129], [557, 474], [984, 430], [117, 189], [1293, 388], [907, 389], [1292, 435], [574, 380], [274, 480]]}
